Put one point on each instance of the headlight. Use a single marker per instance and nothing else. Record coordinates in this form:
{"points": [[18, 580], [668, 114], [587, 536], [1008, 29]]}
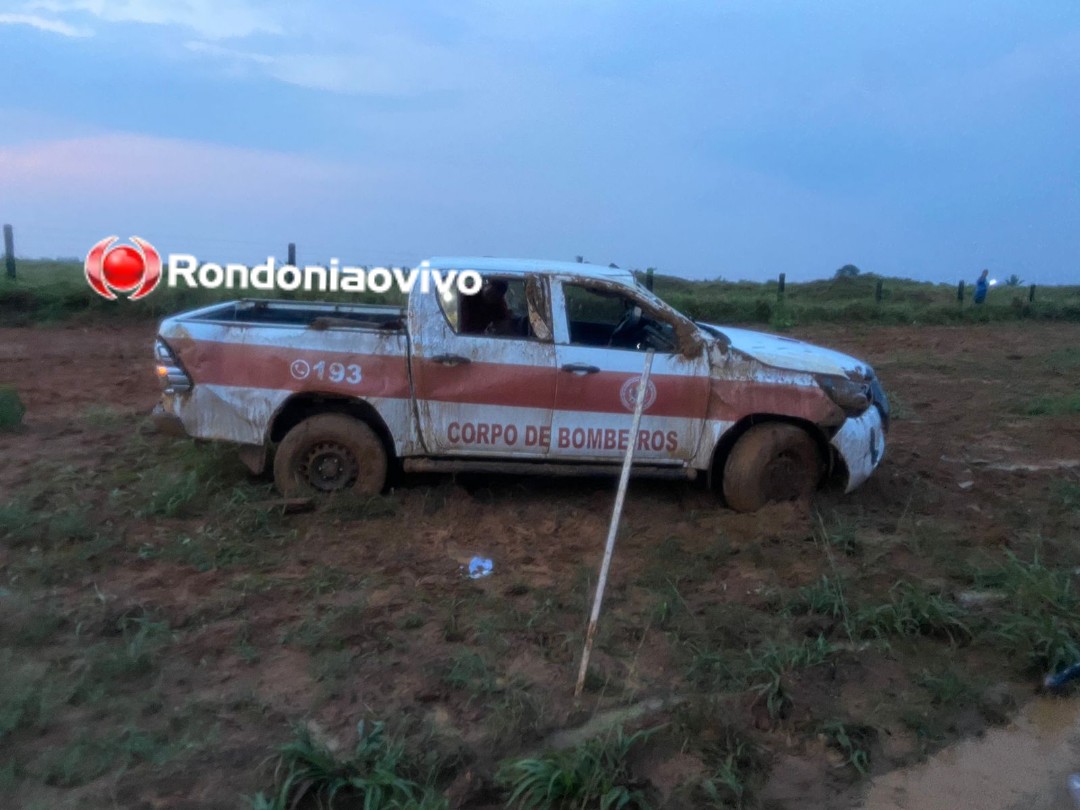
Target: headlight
{"points": [[853, 397]]}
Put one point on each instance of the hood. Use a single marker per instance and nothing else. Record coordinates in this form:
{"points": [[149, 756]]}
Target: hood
{"points": [[788, 353]]}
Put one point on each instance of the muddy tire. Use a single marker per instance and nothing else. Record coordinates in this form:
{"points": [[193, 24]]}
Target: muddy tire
{"points": [[771, 462], [329, 453]]}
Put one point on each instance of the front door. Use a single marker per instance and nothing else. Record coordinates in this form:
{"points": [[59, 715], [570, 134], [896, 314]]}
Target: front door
{"points": [[600, 354]]}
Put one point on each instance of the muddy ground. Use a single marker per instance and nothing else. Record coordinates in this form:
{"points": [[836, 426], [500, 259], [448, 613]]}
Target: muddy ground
{"points": [[163, 631]]}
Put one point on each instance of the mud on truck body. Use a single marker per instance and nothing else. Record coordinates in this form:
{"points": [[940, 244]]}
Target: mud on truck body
{"points": [[337, 395]]}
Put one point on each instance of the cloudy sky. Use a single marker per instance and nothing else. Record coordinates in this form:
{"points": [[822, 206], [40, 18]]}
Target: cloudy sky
{"points": [[723, 138]]}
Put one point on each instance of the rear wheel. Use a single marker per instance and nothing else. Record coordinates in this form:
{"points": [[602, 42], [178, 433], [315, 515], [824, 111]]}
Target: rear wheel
{"points": [[771, 462], [328, 453]]}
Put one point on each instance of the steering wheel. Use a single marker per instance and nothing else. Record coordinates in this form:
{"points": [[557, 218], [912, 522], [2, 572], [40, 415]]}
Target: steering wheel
{"points": [[631, 320]]}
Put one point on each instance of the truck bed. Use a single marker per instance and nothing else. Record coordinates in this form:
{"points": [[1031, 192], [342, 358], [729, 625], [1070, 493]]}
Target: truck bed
{"points": [[314, 314]]}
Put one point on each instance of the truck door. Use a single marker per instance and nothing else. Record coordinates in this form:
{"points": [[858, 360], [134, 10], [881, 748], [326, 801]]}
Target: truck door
{"points": [[601, 335], [483, 368]]}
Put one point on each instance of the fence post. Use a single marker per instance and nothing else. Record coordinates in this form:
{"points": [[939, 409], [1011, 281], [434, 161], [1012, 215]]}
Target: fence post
{"points": [[1031, 295], [960, 292], [649, 278], [780, 286], [292, 254], [9, 250], [878, 290]]}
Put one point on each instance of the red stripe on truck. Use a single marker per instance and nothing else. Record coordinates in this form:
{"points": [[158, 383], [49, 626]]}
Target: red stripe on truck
{"points": [[497, 384], [285, 369]]}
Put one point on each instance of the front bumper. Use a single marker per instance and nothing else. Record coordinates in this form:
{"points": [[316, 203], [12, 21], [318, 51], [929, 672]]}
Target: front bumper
{"points": [[860, 444]]}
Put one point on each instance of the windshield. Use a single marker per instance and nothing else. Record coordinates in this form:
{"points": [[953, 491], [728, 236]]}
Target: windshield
{"points": [[652, 298]]}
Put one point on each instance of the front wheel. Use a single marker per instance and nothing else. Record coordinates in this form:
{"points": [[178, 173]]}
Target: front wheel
{"points": [[771, 462], [330, 452]]}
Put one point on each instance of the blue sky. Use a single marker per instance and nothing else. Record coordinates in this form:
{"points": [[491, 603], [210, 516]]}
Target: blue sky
{"points": [[733, 139]]}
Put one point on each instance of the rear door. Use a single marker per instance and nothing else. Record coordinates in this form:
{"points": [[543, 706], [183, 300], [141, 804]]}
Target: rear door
{"points": [[483, 369], [600, 354]]}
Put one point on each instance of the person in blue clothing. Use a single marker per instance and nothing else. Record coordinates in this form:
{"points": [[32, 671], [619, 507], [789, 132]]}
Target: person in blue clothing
{"points": [[982, 286]]}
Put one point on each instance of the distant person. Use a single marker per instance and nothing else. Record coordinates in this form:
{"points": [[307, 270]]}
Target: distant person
{"points": [[982, 287]]}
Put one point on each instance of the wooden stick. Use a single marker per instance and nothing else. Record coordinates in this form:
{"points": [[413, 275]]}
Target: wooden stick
{"points": [[609, 549]]}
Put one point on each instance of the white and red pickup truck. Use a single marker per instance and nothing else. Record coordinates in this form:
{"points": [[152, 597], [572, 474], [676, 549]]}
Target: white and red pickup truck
{"points": [[537, 373]]}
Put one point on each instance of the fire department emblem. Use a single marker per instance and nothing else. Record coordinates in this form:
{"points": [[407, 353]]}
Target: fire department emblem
{"points": [[629, 390]]}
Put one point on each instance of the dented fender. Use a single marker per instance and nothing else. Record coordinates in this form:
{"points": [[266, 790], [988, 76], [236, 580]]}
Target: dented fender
{"points": [[860, 444]]}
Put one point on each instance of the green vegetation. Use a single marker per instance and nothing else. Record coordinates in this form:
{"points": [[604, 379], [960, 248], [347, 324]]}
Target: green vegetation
{"points": [[853, 741], [50, 290], [912, 611], [595, 774], [11, 408], [1040, 619], [378, 774], [774, 663], [1054, 405], [850, 298]]}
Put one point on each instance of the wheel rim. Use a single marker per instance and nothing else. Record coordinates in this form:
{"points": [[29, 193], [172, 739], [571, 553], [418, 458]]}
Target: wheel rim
{"points": [[785, 477], [329, 467]]}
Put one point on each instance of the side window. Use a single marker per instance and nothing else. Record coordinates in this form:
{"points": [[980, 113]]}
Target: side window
{"points": [[601, 317], [504, 307]]}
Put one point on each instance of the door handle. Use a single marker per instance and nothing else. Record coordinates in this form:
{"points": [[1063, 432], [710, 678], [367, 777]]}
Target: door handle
{"points": [[451, 359], [580, 368]]}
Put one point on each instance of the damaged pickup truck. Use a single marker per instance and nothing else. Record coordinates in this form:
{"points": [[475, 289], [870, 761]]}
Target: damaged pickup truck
{"points": [[536, 373]]}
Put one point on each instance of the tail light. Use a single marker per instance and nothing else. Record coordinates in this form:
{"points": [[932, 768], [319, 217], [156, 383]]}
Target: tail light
{"points": [[171, 375]]}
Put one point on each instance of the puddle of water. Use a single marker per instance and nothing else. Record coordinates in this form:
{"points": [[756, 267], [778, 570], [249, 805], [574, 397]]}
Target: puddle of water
{"points": [[1024, 766]]}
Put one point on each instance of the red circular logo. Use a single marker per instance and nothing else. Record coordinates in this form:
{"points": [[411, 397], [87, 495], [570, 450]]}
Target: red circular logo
{"points": [[123, 268]]}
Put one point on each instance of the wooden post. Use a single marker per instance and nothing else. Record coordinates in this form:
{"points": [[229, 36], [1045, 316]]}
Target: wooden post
{"points": [[292, 254], [878, 292], [1031, 295], [613, 529], [9, 250], [960, 292], [780, 286], [649, 278]]}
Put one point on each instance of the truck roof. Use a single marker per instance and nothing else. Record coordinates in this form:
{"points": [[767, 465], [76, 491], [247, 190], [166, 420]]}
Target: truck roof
{"points": [[522, 266]]}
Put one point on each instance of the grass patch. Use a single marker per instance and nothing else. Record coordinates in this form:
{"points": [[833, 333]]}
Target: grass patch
{"points": [[851, 740], [1056, 405], [1067, 494], [12, 409], [142, 640], [1039, 622], [469, 672], [771, 665], [18, 521], [103, 416], [91, 755], [593, 774], [378, 774], [350, 507], [912, 611], [32, 691], [739, 768], [330, 629]]}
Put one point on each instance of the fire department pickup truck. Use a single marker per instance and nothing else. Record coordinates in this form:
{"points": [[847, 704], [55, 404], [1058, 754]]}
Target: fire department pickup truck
{"points": [[537, 373]]}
